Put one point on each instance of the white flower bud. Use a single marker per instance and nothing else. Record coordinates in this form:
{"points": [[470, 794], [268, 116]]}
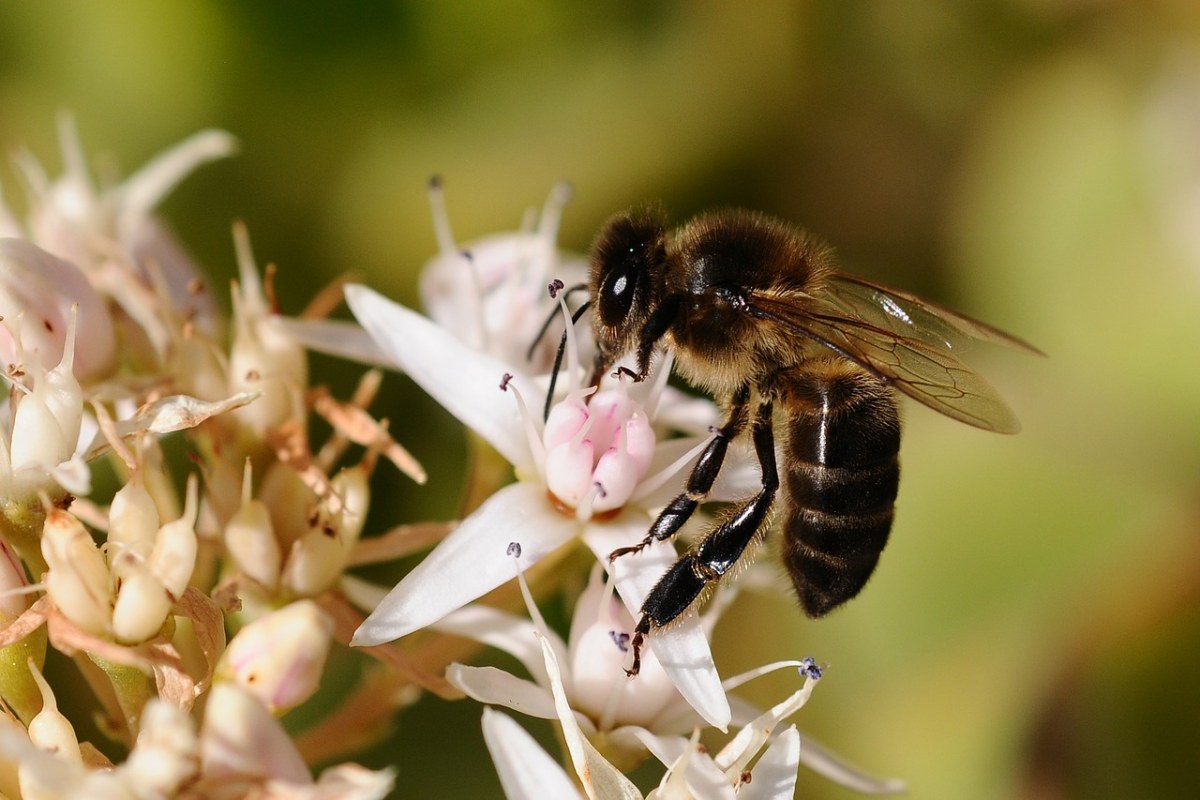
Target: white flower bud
{"points": [[263, 358], [279, 658], [132, 524], [142, 605], [49, 729], [288, 500], [77, 579], [317, 560], [173, 559], [250, 538]]}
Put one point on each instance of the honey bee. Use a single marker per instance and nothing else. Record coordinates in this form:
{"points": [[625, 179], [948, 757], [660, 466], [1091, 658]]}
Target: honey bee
{"points": [[757, 315]]}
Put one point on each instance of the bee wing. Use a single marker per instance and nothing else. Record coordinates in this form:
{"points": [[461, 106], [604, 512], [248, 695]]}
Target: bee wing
{"points": [[907, 314], [927, 372]]}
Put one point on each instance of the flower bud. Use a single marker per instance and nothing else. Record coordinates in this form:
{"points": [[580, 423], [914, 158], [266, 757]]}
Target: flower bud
{"points": [[250, 538], [279, 658], [37, 292], [142, 605], [132, 524], [263, 358], [77, 579], [46, 422], [173, 559], [50, 730], [317, 560]]}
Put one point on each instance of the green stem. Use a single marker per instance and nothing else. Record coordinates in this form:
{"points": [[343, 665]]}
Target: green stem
{"points": [[132, 687]]}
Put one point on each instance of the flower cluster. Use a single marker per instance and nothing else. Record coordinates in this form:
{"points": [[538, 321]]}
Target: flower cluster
{"points": [[112, 339]]}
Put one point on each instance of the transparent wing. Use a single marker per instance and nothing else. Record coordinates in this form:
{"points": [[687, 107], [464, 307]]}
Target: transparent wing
{"points": [[906, 314], [925, 370]]}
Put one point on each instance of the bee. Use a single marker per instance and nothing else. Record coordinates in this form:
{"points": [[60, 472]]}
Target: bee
{"points": [[757, 315]]}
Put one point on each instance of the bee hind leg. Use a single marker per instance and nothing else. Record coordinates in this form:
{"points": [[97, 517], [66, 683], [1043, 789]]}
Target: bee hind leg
{"points": [[717, 553]]}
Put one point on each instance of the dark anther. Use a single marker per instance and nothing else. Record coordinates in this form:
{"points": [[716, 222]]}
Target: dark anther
{"points": [[504, 381], [467, 254], [555, 287], [514, 549], [621, 640], [809, 668], [435, 181]]}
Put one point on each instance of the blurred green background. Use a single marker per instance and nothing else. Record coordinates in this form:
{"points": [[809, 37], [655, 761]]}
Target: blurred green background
{"points": [[1033, 626]]}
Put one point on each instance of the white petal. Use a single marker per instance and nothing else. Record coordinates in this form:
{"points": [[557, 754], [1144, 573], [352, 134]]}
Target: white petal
{"points": [[504, 631], [702, 778], [145, 188], [682, 647], [465, 382], [825, 763], [497, 687], [774, 776], [335, 337], [525, 769], [600, 778], [470, 562]]}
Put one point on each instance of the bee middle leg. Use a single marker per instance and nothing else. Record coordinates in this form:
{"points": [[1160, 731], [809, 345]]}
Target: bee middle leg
{"points": [[717, 553], [700, 482]]}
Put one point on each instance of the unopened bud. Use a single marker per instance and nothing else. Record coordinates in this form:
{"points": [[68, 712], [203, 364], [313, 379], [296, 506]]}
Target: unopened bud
{"points": [[78, 578], [49, 729], [279, 657], [250, 538], [317, 560], [132, 524], [263, 358], [173, 559], [142, 605]]}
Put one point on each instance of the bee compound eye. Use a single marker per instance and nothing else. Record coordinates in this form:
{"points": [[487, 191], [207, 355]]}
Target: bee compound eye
{"points": [[617, 292]]}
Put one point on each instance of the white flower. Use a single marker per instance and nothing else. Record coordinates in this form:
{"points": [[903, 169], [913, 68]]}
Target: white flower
{"points": [[491, 293], [111, 234], [473, 559]]}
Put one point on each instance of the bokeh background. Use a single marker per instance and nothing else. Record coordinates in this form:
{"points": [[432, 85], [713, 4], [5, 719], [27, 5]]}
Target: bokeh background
{"points": [[1034, 627]]}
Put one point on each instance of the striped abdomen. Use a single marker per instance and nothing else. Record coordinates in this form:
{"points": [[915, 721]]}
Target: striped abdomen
{"points": [[842, 474]]}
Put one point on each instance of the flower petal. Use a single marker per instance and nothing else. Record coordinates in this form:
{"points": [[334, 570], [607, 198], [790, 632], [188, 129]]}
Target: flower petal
{"points": [[497, 687], [464, 381], [335, 337], [470, 562], [504, 631], [525, 769], [829, 765], [775, 773], [682, 647], [599, 777], [691, 772]]}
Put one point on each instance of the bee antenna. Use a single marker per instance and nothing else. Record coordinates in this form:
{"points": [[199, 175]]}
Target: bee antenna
{"points": [[558, 358]]}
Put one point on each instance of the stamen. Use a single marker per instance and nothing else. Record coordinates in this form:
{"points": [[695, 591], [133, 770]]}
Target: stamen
{"points": [[533, 433], [583, 511], [655, 481], [514, 551], [441, 218], [572, 346], [560, 194]]}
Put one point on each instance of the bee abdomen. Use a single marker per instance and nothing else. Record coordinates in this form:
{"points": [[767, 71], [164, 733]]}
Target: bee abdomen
{"points": [[842, 477]]}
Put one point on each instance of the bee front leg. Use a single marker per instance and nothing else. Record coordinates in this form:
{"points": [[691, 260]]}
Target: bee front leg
{"points": [[700, 482], [717, 553]]}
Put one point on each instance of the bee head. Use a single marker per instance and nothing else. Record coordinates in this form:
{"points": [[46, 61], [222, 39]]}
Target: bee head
{"points": [[627, 262]]}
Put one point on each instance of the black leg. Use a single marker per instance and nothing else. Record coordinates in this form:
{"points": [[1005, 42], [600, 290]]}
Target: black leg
{"points": [[717, 553], [700, 482]]}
